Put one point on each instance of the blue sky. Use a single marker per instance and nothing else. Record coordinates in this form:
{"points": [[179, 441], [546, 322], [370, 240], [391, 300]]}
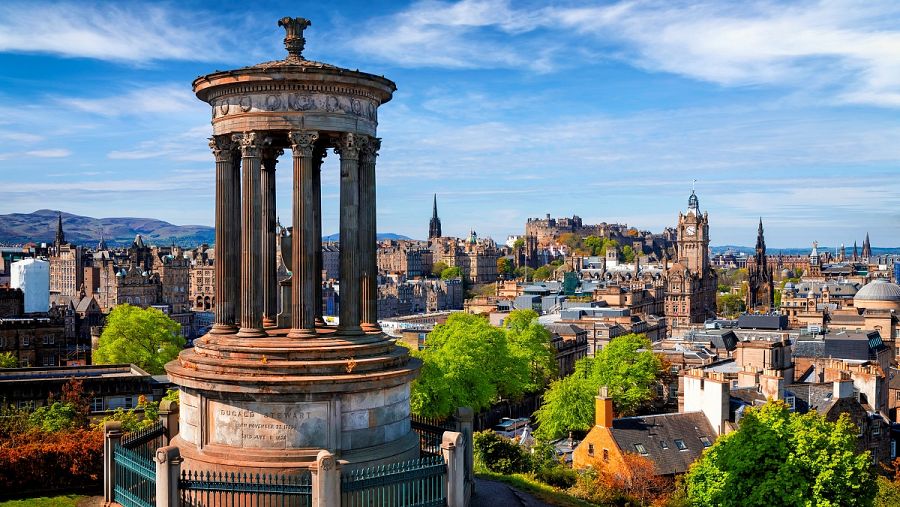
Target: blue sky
{"points": [[506, 110]]}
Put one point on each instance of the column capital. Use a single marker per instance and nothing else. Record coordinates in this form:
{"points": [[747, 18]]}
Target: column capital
{"points": [[221, 146], [250, 143], [303, 142], [370, 148], [349, 145], [270, 156]]}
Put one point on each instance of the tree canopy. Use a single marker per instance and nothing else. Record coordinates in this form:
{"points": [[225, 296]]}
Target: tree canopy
{"points": [[627, 367], [438, 267], [505, 267], [8, 360], [778, 454], [543, 273], [147, 338], [449, 273], [468, 362], [730, 304]]}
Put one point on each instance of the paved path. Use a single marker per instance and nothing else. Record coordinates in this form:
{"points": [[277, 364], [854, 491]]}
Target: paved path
{"points": [[497, 494]]}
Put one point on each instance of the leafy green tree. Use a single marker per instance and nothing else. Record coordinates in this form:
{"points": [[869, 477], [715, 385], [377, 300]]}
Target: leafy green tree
{"points": [[627, 367], [594, 245], [147, 338], [449, 273], [525, 273], [505, 267], [543, 273], [8, 360], [466, 358], [519, 243], [56, 416], [438, 267], [627, 254], [778, 454], [529, 342], [730, 304]]}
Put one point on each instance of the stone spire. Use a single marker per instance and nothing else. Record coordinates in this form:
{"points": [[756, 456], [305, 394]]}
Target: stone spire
{"points": [[760, 240], [60, 237], [102, 245], [866, 248], [855, 251], [434, 227]]}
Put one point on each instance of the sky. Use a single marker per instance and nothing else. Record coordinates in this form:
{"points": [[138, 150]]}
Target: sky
{"points": [[505, 109]]}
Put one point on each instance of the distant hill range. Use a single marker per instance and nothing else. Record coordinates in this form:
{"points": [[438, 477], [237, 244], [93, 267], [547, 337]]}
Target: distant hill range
{"points": [[40, 227], [749, 250], [381, 236]]}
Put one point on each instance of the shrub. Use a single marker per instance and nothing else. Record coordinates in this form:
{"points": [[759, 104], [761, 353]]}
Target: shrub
{"points": [[559, 476], [500, 454], [57, 416], [38, 461]]}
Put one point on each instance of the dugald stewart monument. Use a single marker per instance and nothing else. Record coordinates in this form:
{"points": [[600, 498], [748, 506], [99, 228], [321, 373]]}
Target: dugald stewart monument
{"points": [[270, 387]]}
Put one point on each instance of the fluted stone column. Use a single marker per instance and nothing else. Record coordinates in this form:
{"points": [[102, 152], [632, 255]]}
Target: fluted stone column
{"points": [[234, 247], [251, 237], [226, 233], [318, 157], [303, 262], [348, 148], [269, 268], [368, 236]]}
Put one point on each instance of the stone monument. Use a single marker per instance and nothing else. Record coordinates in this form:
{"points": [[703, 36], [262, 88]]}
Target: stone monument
{"points": [[268, 388]]}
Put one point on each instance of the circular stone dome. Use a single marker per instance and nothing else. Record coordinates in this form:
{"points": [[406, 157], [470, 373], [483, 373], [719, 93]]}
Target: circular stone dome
{"points": [[878, 294]]}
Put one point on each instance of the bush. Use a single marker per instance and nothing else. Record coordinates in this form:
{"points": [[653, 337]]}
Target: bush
{"points": [[135, 419], [57, 416], [500, 454], [559, 476], [38, 461]]}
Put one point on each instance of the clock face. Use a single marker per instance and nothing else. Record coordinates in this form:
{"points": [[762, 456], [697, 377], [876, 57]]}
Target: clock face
{"points": [[690, 230]]}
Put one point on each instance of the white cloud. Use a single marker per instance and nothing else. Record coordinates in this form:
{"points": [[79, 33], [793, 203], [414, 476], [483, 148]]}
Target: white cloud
{"points": [[49, 153], [155, 100], [190, 145], [133, 33]]}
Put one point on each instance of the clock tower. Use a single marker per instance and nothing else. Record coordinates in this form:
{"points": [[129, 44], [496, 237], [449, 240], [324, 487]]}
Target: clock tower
{"points": [[691, 282]]}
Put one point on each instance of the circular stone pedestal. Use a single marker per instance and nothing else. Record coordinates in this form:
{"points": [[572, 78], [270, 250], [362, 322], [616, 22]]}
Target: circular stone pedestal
{"points": [[269, 405]]}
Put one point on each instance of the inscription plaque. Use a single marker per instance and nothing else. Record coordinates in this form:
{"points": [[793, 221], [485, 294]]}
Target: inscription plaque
{"points": [[258, 425]]}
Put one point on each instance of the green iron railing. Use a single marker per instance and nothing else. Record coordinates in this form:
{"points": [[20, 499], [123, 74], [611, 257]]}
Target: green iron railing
{"points": [[135, 479], [207, 489], [415, 483], [431, 433]]}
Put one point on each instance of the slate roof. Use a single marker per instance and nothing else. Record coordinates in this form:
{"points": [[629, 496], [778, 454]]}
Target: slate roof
{"points": [[818, 397], [774, 322], [862, 346], [565, 329], [723, 339], [653, 430]]}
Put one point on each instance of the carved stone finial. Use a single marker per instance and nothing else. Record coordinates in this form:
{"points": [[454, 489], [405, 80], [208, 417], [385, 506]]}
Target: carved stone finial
{"points": [[293, 38]]}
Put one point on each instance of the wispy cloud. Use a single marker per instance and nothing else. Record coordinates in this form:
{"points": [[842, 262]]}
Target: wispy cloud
{"points": [[185, 146], [49, 153], [118, 32], [156, 100]]}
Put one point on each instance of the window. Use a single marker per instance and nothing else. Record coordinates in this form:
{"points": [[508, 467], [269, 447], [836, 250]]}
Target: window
{"points": [[640, 449], [26, 341], [129, 402], [791, 401], [679, 443], [590, 449], [605, 454], [705, 441], [50, 340], [876, 428], [663, 444], [97, 405]]}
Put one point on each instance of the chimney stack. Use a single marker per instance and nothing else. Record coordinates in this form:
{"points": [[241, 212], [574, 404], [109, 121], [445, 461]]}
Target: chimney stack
{"points": [[603, 415]]}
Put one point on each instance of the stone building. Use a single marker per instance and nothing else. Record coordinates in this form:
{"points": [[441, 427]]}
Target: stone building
{"points": [[398, 297], [66, 268], [12, 302], [691, 281], [410, 259], [34, 341], [477, 258], [761, 278], [331, 261], [173, 269]]}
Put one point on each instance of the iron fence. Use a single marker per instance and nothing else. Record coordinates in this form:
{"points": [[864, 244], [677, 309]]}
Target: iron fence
{"points": [[415, 483], [145, 442], [206, 489], [135, 479]]}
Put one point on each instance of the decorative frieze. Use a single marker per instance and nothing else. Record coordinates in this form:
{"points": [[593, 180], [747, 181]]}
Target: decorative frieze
{"points": [[299, 102]]}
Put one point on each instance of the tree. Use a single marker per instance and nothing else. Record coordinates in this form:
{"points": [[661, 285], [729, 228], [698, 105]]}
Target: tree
{"points": [[519, 244], [627, 367], [628, 254], [525, 273], [778, 454], [505, 267], [8, 360], [730, 304], [147, 338], [543, 273], [529, 342], [449, 273], [438, 267]]}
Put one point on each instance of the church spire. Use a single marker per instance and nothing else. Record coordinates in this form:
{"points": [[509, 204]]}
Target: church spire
{"points": [[60, 237], [434, 227], [760, 242], [866, 248]]}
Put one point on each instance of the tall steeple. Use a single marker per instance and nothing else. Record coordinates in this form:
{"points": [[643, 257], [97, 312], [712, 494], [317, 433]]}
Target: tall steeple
{"points": [[760, 241], [102, 245], [434, 227], [855, 252], [60, 237], [867, 248]]}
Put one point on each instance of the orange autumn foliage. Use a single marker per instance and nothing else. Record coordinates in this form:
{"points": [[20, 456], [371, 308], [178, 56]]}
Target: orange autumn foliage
{"points": [[39, 461]]}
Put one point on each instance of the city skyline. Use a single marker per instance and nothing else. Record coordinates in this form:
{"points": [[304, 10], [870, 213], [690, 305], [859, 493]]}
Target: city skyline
{"points": [[506, 111]]}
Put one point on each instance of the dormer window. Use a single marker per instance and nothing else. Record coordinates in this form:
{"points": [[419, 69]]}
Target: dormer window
{"points": [[705, 441], [679, 443], [640, 449]]}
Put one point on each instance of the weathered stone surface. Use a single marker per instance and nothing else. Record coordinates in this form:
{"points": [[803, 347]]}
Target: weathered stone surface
{"points": [[258, 425]]}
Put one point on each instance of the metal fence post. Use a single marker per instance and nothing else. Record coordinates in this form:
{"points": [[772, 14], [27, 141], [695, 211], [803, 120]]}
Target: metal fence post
{"points": [[168, 470], [326, 480], [455, 459], [112, 436], [168, 414], [465, 417]]}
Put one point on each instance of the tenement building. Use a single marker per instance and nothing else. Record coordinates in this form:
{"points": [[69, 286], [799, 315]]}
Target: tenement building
{"points": [[274, 389], [691, 281], [66, 268], [476, 257]]}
